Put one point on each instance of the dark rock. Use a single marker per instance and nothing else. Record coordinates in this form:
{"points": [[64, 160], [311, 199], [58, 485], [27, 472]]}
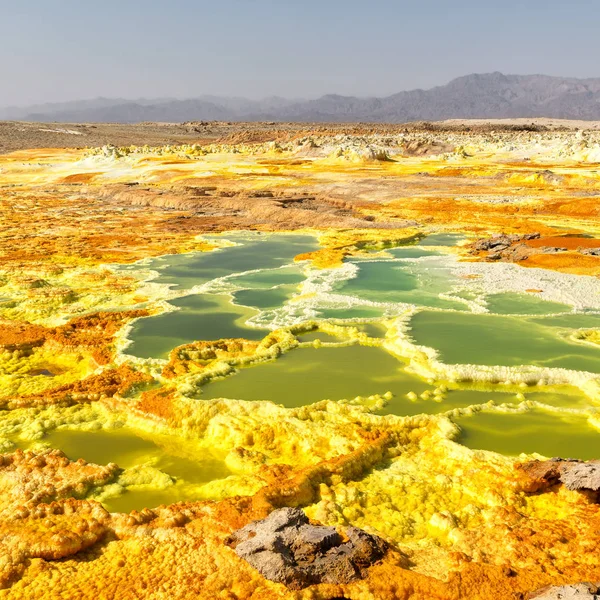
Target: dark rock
{"points": [[364, 545], [573, 474], [311, 539], [575, 591], [580, 475], [337, 566], [518, 253], [481, 245], [551, 249], [287, 549], [589, 251], [505, 247], [547, 471], [499, 243]]}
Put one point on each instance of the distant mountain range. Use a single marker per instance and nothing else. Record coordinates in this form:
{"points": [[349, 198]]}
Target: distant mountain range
{"points": [[490, 95]]}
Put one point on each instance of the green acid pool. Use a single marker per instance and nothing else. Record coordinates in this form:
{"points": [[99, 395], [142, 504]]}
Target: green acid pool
{"points": [[252, 252], [547, 433], [393, 281], [509, 303], [307, 375], [198, 317], [189, 469], [482, 339]]}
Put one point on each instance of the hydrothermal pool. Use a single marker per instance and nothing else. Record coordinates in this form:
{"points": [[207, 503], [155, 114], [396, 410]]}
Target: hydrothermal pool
{"points": [[307, 375], [468, 321], [157, 470], [250, 252], [510, 303], [463, 338], [392, 282], [257, 273], [199, 317], [550, 434]]}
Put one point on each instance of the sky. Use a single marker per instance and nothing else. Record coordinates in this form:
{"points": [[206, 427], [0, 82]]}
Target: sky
{"points": [[59, 50]]}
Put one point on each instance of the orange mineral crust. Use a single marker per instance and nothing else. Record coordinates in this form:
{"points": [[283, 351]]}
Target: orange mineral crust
{"points": [[154, 478], [104, 554], [86, 347]]}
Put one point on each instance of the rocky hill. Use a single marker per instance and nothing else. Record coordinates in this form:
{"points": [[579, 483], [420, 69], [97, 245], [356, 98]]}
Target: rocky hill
{"points": [[491, 95]]}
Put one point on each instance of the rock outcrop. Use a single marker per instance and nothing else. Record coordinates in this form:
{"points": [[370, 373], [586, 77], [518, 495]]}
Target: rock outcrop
{"points": [[287, 549], [577, 591], [504, 247], [567, 250], [573, 474], [589, 251]]}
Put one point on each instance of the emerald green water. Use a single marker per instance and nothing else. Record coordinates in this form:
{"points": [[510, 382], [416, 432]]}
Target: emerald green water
{"points": [[269, 278], [534, 431], [260, 279], [358, 312], [124, 447], [462, 397], [255, 251], [265, 299], [578, 321], [482, 339], [411, 252], [442, 239], [380, 278], [520, 304], [376, 330], [307, 375], [270, 283], [202, 317], [392, 281]]}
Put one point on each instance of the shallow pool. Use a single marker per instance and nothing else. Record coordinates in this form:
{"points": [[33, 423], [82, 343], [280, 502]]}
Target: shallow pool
{"points": [[481, 339], [246, 290], [254, 251], [549, 434], [307, 375], [199, 317], [188, 467]]}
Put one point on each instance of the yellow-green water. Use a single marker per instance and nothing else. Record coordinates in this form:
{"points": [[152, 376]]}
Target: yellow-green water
{"points": [[253, 251], [307, 375], [187, 466], [463, 338], [201, 317], [389, 281], [549, 434]]}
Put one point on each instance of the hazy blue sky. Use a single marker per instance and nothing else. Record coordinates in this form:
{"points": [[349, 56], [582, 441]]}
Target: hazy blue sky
{"points": [[54, 50]]}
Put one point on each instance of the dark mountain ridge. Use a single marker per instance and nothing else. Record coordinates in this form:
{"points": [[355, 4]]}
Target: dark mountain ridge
{"points": [[488, 95]]}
